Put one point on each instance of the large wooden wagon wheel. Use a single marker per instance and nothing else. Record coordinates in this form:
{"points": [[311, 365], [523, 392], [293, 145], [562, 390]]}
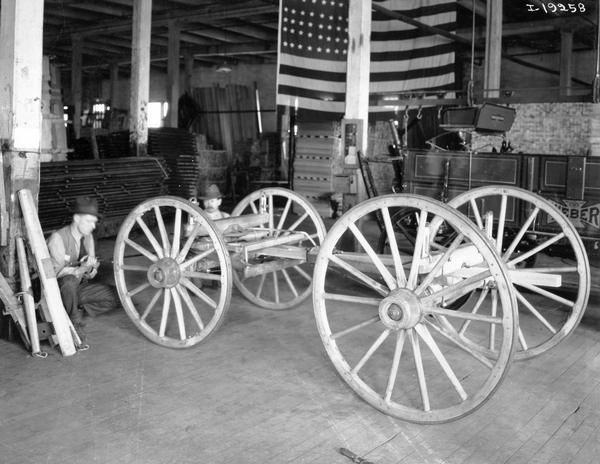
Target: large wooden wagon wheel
{"points": [[390, 336], [284, 283], [157, 265], [546, 259]]}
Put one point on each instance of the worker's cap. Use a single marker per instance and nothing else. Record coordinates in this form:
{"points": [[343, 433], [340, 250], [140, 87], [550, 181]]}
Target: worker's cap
{"points": [[86, 205], [211, 192]]}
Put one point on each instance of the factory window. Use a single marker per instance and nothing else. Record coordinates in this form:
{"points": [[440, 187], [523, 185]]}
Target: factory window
{"points": [[157, 111]]}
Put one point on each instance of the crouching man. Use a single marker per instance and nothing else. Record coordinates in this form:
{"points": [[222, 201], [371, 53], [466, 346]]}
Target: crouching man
{"points": [[73, 255]]}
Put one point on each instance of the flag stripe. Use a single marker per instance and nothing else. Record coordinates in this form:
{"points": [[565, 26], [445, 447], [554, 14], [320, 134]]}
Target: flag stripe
{"points": [[404, 55], [301, 72]]}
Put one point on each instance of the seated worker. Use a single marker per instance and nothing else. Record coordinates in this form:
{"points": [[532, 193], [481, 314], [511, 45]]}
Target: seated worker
{"points": [[73, 255], [212, 200]]}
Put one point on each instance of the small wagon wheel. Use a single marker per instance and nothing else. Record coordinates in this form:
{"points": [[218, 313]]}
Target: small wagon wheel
{"points": [[391, 336], [155, 262], [285, 283], [546, 259]]}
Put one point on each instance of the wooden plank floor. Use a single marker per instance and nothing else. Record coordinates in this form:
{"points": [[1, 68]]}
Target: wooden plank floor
{"points": [[262, 390]]}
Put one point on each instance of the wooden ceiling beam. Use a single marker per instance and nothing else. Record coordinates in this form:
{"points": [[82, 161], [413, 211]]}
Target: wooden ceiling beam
{"points": [[102, 8], [524, 28], [192, 14]]}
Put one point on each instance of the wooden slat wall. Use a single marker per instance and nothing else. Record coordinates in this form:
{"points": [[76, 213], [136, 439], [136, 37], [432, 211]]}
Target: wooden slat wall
{"points": [[228, 115], [316, 146]]}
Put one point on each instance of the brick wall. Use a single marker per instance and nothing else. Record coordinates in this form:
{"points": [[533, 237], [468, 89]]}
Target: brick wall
{"points": [[554, 128]]}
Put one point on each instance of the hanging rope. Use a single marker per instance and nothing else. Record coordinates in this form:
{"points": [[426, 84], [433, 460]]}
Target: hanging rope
{"points": [[405, 135], [596, 85], [470, 85]]}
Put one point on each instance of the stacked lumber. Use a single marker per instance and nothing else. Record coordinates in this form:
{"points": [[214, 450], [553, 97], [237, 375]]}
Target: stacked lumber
{"points": [[190, 170], [118, 184], [228, 115], [110, 145]]}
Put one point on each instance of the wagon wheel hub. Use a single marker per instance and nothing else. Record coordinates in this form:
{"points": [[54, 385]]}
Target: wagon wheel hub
{"points": [[164, 273], [401, 309]]}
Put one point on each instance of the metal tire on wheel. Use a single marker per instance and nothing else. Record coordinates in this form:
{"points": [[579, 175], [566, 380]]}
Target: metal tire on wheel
{"points": [[389, 335], [288, 212], [545, 257], [155, 263]]}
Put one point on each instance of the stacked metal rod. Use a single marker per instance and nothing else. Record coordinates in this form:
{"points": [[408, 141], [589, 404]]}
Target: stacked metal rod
{"points": [[190, 169], [118, 184]]}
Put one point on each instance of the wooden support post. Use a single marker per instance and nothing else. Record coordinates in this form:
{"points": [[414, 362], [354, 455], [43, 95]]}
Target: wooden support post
{"points": [[493, 48], [140, 76], [114, 84], [357, 75], [21, 36], [76, 81], [173, 72], [189, 71], [566, 61]]}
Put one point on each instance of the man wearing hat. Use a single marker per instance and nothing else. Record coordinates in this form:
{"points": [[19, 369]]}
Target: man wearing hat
{"points": [[212, 200], [74, 258]]}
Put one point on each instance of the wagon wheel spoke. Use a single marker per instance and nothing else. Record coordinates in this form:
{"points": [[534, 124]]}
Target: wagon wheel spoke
{"points": [[301, 271], [283, 217], [163, 230], [134, 267], [275, 287], [140, 249], [455, 291], [476, 214], [376, 344], [261, 284], [400, 337], [151, 305], [188, 243], [521, 338], [355, 327], [178, 313], [176, 234], [372, 283], [253, 207], [547, 294], [201, 275], [465, 316], [474, 310], [295, 225], [440, 263], [190, 305], [199, 293], [535, 312], [420, 370], [197, 258], [452, 336], [138, 289], [536, 250], [150, 236], [492, 327], [391, 234], [366, 301], [387, 276], [441, 359], [289, 282], [165, 313], [501, 223], [419, 244], [513, 245]]}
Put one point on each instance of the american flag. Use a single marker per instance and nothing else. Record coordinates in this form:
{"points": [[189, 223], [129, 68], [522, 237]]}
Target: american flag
{"points": [[313, 49]]}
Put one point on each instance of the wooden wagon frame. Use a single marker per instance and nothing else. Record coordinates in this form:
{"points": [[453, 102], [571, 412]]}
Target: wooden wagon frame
{"points": [[423, 330]]}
